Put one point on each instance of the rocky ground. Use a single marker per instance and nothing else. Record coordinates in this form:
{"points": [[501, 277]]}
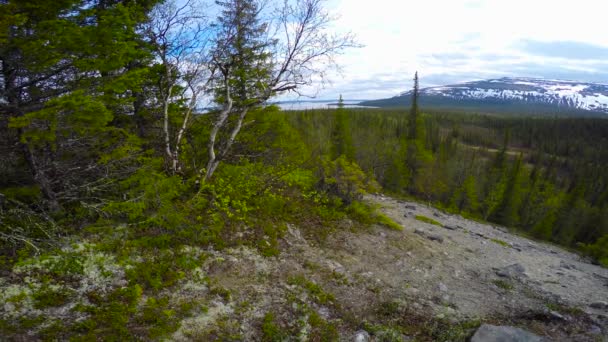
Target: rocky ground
{"points": [[400, 285], [480, 270], [431, 281]]}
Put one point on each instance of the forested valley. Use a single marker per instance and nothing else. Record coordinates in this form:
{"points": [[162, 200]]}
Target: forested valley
{"points": [[542, 176], [137, 144]]}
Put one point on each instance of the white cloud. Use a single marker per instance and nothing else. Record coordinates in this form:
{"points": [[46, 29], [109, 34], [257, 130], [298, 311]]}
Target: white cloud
{"points": [[473, 39]]}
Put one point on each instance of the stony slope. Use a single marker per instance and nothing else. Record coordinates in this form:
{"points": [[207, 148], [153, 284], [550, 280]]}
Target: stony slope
{"points": [[426, 283], [425, 275]]}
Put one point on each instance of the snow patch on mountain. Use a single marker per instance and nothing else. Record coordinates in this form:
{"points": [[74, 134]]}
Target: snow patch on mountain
{"points": [[572, 94]]}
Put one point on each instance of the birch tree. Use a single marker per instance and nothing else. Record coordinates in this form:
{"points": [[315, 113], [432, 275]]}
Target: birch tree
{"points": [[178, 33], [256, 57]]}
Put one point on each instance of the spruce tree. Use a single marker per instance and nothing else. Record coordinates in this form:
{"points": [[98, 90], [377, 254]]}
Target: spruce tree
{"points": [[340, 102], [67, 74], [413, 116], [507, 212], [342, 141]]}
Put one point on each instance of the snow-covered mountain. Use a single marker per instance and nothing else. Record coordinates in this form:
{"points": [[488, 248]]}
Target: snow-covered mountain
{"points": [[510, 92]]}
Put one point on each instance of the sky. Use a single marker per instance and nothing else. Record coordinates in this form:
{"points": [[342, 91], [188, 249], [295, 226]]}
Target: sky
{"points": [[451, 41]]}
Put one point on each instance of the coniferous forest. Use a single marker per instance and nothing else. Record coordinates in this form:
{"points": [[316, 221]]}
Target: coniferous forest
{"points": [[136, 140], [541, 176]]}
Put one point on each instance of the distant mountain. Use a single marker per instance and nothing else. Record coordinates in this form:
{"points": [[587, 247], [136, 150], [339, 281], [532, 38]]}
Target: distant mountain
{"points": [[526, 95]]}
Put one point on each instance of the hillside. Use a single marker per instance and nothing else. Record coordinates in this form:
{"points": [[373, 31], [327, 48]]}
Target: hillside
{"points": [[428, 282], [126, 214], [511, 95]]}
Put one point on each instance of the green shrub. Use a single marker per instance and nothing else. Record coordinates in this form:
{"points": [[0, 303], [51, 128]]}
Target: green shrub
{"points": [[271, 332], [49, 297], [160, 271], [109, 315], [321, 330], [313, 289], [362, 212], [345, 180], [367, 214], [159, 317], [388, 222], [503, 284], [150, 198], [427, 220], [501, 242], [599, 250]]}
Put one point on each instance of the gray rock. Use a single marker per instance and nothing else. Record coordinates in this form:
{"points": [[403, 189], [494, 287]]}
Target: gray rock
{"points": [[434, 237], [438, 215], [493, 333], [361, 336], [516, 246], [566, 265], [443, 287], [430, 236], [324, 312], [599, 305], [504, 230], [557, 316], [515, 271], [599, 276], [595, 330], [410, 207], [450, 227]]}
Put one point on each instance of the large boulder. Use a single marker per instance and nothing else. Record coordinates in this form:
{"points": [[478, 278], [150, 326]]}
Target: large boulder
{"points": [[493, 333]]}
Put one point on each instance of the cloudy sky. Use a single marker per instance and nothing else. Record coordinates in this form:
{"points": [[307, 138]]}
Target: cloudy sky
{"points": [[449, 41]]}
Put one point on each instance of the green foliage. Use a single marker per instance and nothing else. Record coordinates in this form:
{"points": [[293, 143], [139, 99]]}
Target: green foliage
{"points": [[514, 171], [505, 285], [345, 180], [48, 297], [427, 220], [342, 141], [443, 330], [319, 295], [81, 158], [361, 212], [569, 310], [22, 229], [599, 250], [159, 315], [321, 330], [271, 332], [74, 113], [388, 222], [367, 214], [122, 315], [501, 242], [149, 197], [109, 316], [466, 198], [159, 272]]}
